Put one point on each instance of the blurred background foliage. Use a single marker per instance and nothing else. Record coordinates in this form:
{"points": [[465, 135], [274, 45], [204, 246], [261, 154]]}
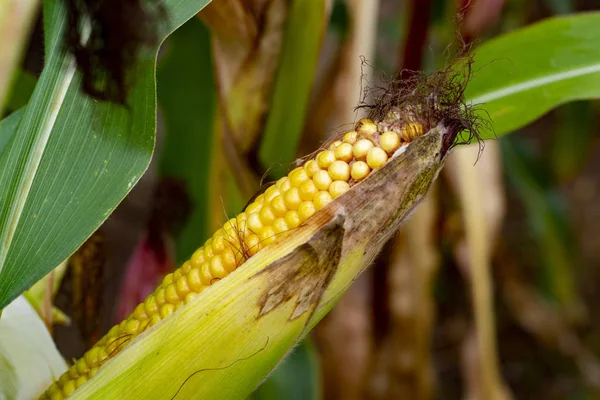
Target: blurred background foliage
{"points": [[488, 291]]}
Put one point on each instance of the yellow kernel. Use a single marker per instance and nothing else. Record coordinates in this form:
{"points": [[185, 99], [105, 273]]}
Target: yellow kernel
{"points": [[308, 190], [260, 198], [278, 206], [281, 181], [69, 388], [154, 320], [298, 177], [140, 312], [186, 267], [231, 227], [266, 215], [208, 251], [312, 167], [189, 297], [193, 280], [322, 180], [93, 371], [279, 225], [254, 223], [292, 219], [132, 326], [91, 356], [219, 243], [325, 158], [366, 128], [292, 198], [166, 310], [53, 388], [182, 287], [361, 148], [62, 381], [159, 294], [217, 270], [335, 144], [267, 235], [252, 244], [376, 157], [254, 207], [285, 185], [80, 381], [73, 372], [338, 188], [198, 257], [229, 260], [339, 171], [359, 170], [82, 366], [322, 199], [102, 355], [241, 218], [344, 152], [306, 210], [167, 279], [176, 274], [270, 193], [150, 306], [58, 395], [205, 275], [390, 142], [351, 137]]}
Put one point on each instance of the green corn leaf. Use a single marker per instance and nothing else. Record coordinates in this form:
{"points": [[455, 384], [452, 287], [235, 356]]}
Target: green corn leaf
{"points": [[521, 75], [71, 159]]}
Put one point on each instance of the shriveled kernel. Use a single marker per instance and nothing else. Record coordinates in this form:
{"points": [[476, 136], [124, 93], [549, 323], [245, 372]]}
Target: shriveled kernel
{"points": [[322, 199], [292, 198], [182, 286], [132, 326], [254, 223], [198, 257], [359, 170], [279, 225], [325, 158], [292, 219], [361, 149], [376, 157], [390, 142], [335, 144], [298, 177], [266, 215], [344, 152], [278, 206], [308, 190], [159, 294], [217, 269], [338, 188], [166, 310], [193, 280], [267, 235], [411, 130], [366, 128], [205, 275], [322, 180], [311, 168], [69, 388], [351, 137], [150, 306], [306, 210], [339, 171]]}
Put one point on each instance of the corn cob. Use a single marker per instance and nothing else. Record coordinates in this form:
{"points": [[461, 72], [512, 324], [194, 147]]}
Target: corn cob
{"points": [[282, 207]]}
